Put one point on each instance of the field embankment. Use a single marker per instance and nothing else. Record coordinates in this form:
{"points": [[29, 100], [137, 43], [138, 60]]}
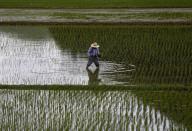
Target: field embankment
{"points": [[89, 16]]}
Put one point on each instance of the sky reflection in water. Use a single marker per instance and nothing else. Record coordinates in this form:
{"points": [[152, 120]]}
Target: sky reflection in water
{"points": [[29, 55]]}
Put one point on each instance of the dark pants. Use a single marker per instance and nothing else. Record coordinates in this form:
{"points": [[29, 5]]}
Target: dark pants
{"points": [[94, 60]]}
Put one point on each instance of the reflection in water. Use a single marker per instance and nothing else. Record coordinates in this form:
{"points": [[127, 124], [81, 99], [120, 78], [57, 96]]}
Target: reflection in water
{"points": [[80, 110], [93, 77], [29, 55]]}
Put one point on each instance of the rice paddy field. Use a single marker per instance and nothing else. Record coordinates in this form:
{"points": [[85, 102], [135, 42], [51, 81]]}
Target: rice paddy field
{"points": [[103, 109], [144, 81], [161, 54], [140, 55], [93, 4]]}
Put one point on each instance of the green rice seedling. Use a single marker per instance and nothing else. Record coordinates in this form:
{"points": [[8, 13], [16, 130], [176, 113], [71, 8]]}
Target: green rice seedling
{"points": [[173, 102], [29, 112], [161, 54]]}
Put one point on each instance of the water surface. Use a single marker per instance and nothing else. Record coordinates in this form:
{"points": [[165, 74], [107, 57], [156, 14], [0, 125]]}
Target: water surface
{"points": [[29, 55], [47, 55], [91, 110]]}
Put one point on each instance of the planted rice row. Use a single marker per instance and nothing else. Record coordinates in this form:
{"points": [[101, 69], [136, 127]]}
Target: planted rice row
{"points": [[161, 54], [103, 110]]}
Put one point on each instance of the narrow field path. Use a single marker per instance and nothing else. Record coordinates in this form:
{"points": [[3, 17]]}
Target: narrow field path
{"points": [[136, 15]]}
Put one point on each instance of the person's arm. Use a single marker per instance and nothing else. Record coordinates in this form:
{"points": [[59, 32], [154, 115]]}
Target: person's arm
{"points": [[89, 52]]}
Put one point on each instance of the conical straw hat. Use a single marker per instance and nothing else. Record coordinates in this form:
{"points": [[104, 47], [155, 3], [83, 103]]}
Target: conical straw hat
{"points": [[95, 45]]}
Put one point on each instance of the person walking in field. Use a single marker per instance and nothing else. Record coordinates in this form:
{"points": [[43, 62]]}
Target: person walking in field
{"points": [[93, 54]]}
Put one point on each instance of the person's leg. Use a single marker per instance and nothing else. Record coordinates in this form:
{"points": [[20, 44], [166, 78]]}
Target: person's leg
{"points": [[90, 61], [96, 62]]}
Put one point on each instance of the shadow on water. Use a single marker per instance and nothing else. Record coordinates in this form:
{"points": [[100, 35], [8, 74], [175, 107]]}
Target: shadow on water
{"points": [[48, 55], [90, 110], [30, 55], [161, 54], [176, 105]]}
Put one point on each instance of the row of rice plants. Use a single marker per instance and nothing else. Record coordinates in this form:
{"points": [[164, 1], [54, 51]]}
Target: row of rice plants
{"points": [[84, 110], [175, 104], [162, 54]]}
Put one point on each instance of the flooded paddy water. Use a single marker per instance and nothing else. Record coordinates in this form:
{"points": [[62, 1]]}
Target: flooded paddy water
{"points": [[131, 56], [31, 56], [95, 110]]}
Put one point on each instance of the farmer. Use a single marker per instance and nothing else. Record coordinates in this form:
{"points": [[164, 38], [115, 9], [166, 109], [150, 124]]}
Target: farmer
{"points": [[93, 54]]}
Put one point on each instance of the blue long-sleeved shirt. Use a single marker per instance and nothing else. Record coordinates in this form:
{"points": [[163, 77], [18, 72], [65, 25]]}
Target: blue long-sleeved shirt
{"points": [[94, 52]]}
